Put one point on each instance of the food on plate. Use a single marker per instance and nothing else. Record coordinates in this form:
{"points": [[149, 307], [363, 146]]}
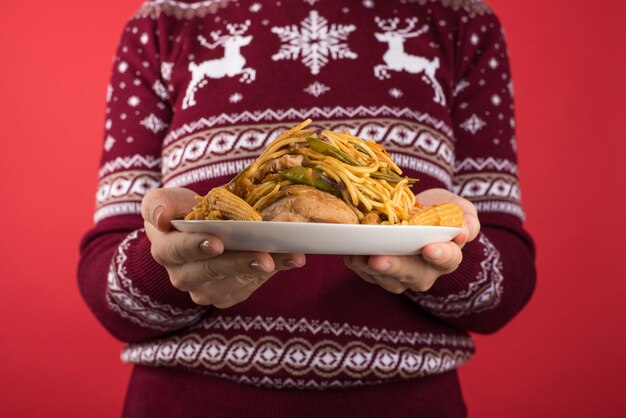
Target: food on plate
{"points": [[310, 175], [300, 203]]}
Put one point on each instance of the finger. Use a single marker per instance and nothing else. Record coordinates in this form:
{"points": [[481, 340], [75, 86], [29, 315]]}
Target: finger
{"points": [[404, 269], [241, 294], [435, 196], [378, 270], [223, 289], [177, 248], [201, 294], [288, 261], [367, 277], [410, 271], [160, 206], [444, 257], [226, 293], [462, 238], [260, 275], [469, 232], [359, 263], [230, 264], [473, 224], [245, 292], [347, 260], [390, 284]]}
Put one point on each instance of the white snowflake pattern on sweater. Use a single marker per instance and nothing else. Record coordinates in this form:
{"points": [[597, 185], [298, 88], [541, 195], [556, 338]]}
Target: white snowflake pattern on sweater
{"points": [[314, 41]]}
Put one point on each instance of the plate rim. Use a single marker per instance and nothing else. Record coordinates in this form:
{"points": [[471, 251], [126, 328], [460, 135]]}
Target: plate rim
{"points": [[369, 233], [308, 224]]}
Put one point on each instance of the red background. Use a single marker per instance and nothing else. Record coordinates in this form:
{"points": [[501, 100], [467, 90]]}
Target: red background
{"points": [[563, 356]]}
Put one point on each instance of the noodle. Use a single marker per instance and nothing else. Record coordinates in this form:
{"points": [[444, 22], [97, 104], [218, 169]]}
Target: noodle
{"points": [[260, 191], [341, 163], [267, 197]]}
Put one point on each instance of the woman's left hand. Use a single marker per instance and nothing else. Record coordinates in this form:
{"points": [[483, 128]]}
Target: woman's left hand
{"points": [[419, 272]]}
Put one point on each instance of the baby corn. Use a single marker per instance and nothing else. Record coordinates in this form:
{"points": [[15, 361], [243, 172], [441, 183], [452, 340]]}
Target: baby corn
{"points": [[446, 214], [229, 206]]}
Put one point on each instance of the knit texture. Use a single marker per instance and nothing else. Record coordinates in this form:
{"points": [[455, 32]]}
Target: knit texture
{"points": [[198, 90]]}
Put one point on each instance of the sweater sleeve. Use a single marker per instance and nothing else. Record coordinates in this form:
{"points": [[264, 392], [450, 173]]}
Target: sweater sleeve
{"points": [[126, 289], [497, 275]]}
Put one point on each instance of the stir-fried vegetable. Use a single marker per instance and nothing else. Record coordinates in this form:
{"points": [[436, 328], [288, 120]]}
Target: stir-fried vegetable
{"points": [[327, 149], [312, 177]]}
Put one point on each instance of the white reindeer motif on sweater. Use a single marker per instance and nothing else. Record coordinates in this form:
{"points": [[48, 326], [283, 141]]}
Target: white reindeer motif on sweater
{"points": [[232, 64], [397, 60]]}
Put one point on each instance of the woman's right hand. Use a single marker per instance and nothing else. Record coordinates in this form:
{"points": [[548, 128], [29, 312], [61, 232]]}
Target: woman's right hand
{"points": [[197, 263]]}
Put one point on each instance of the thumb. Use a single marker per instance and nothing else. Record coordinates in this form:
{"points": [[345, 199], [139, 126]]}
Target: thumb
{"points": [[160, 206]]}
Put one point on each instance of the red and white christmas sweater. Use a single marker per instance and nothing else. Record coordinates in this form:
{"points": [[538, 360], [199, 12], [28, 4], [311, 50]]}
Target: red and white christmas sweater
{"points": [[198, 89]]}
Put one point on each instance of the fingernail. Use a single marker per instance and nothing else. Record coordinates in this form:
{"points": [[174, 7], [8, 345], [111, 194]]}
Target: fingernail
{"points": [[256, 266], [436, 253], [291, 263], [207, 247], [384, 266], [157, 214]]}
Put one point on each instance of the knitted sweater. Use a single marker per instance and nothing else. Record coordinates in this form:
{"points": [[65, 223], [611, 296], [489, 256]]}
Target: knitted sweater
{"points": [[198, 90]]}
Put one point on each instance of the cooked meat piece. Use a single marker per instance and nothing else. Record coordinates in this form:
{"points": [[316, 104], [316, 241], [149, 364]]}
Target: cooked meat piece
{"points": [[372, 218], [300, 203], [283, 162], [289, 217]]}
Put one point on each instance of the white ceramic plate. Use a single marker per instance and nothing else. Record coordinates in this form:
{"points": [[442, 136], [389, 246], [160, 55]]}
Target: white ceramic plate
{"points": [[320, 238]]}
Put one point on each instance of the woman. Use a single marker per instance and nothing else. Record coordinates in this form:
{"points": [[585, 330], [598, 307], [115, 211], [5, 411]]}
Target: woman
{"points": [[198, 90]]}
